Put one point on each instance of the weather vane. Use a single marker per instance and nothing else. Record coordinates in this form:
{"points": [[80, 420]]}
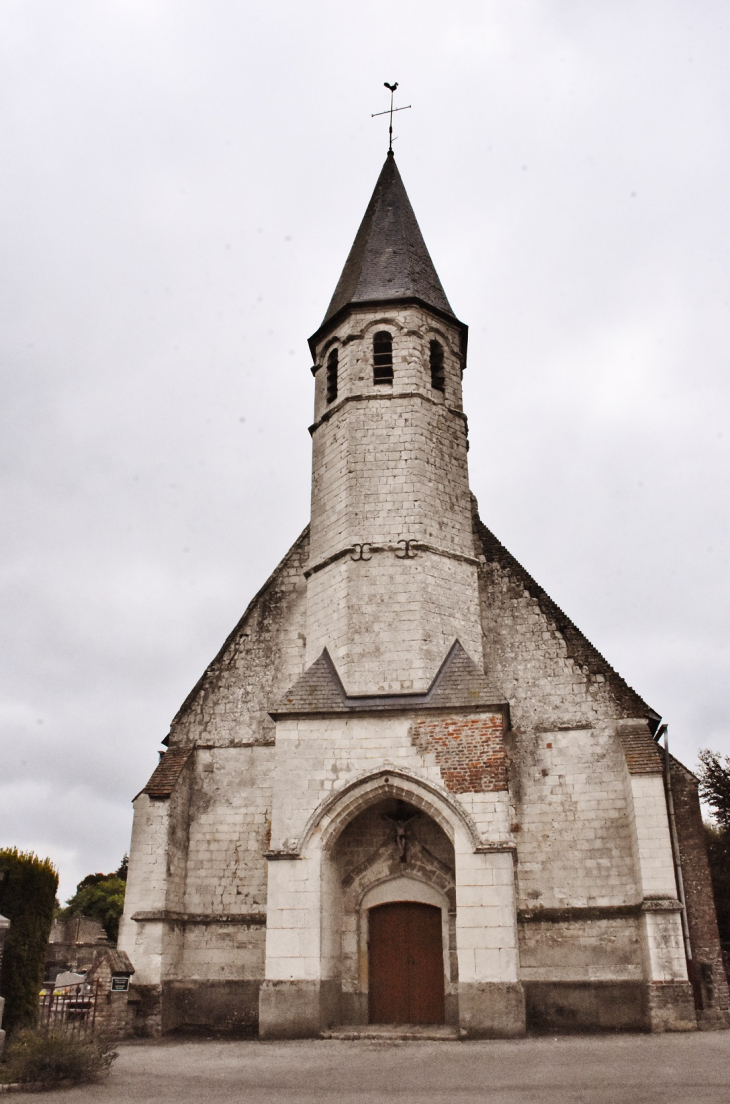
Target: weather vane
{"points": [[390, 111]]}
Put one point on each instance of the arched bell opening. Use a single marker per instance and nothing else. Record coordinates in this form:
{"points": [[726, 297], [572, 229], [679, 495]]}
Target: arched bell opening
{"points": [[389, 916]]}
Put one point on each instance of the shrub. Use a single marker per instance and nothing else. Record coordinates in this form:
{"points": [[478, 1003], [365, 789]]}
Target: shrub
{"points": [[48, 1058], [27, 897]]}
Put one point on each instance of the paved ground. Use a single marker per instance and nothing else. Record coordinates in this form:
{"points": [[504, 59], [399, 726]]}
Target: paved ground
{"points": [[627, 1069]]}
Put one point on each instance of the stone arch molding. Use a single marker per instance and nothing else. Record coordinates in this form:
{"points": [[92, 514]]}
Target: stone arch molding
{"points": [[336, 811]]}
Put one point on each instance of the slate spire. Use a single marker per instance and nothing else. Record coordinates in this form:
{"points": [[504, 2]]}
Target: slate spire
{"points": [[389, 259]]}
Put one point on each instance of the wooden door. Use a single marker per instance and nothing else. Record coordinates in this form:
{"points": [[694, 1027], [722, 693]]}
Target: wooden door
{"points": [[405, 954]]}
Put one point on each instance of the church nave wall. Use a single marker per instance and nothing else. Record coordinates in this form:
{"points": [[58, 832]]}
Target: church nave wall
{"points": [[573, 830], [229, 824]]}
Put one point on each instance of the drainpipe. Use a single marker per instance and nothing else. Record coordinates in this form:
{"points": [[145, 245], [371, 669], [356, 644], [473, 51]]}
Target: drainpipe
{"points": [[663, 730]]}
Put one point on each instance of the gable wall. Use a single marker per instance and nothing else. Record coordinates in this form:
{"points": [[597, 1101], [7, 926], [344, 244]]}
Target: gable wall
{"points": [[231, 782], [568, 774], [207, 850], [262, 658]]}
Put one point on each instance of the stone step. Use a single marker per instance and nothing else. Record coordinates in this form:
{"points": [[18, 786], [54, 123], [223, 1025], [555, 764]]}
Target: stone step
{"points": [[430, 1032]]}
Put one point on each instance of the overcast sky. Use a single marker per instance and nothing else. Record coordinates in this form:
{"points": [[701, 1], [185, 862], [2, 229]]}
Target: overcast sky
{"points": [[182, 180]]}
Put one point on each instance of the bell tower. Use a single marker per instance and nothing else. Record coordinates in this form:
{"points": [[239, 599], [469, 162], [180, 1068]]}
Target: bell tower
{"points": [[392, 572]]}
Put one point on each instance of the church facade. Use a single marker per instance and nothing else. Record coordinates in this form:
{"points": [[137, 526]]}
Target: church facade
{"points": [[408, 790]]}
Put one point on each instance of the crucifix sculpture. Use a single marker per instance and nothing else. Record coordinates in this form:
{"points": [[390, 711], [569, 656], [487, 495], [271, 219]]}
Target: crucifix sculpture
{"points": [[389, 112], [400, 822]]}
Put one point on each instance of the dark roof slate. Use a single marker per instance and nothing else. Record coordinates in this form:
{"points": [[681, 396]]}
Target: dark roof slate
{"points": [[458, 684], [389, 258], [642, 754], [118, 961], [319, 689], [167, 772]]}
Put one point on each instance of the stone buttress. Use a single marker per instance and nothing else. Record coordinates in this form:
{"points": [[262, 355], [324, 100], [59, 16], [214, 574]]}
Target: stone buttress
{"points": [[403, 719]]}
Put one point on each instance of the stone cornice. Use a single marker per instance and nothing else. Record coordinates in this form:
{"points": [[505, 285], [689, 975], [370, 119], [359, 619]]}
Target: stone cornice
{"points": [[391, 305], [378, 396], [403, 550], [168, 916], [597, 912]]}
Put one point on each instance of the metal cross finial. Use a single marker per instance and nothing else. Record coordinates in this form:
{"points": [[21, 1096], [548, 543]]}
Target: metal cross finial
{"points": [[390, 111]]}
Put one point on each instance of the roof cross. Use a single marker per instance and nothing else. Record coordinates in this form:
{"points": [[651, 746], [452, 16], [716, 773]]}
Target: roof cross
{"points": [[390, 111]]}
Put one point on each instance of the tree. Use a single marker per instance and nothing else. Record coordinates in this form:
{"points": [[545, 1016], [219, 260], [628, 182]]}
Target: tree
{"points": [[27, 897], [100, 896], [714, 779], [714, 776]]}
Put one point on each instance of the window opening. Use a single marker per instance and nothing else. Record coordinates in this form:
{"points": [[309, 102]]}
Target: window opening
{"points": [[332, 367], [382, 357], [437, 366]]}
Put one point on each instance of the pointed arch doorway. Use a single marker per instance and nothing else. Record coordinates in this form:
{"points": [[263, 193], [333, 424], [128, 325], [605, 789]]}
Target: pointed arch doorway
{"points": [[406, 963]]}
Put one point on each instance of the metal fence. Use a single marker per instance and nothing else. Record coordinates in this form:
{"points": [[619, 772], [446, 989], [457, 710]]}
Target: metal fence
{"points": [[72, 1007]]}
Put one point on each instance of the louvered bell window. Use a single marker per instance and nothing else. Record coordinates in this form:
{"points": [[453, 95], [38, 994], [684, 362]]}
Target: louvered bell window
{"points": [[436, 352], [382, 357], [332, 369]]}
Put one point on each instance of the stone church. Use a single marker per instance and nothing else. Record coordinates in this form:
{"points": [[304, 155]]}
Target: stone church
{"points": [[407, 790]]}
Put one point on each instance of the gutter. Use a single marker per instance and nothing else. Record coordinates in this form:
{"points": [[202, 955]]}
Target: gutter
{"points": [[663, 730]]}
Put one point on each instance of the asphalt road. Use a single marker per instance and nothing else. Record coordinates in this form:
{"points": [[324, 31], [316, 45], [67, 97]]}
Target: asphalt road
{"points": [[625, 1069]]}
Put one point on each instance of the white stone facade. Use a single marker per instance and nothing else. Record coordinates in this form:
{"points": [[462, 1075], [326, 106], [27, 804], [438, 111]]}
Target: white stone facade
{"points": [[403, 715], [393, 568]]}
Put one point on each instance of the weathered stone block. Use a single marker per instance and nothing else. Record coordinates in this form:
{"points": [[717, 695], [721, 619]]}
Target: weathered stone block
{"points": [[490, 1010], [228, 1007], [297, 1009], [562, 1006]]}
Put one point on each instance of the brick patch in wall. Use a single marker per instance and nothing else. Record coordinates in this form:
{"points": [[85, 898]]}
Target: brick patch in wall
{"points": [[707, 972], [469, 750]]}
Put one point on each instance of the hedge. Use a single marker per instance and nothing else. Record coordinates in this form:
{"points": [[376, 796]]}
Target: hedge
{"points": [[27, 897]]}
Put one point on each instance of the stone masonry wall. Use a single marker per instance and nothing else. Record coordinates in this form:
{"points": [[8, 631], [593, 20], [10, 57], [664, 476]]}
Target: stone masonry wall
{"points": [[317, 756], [389, 467], [229, 826], [197, 857], [406, 439], [389, 622], [708, 975], [573, 828], [550, 674], [572, 951], [568, 772], [469, 750]]}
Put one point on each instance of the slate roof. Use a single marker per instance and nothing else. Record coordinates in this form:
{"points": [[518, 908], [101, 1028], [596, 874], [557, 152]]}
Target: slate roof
{"points": [[643, 755], [389, 259], [119, 962], [458, 684], [167, 772]]}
